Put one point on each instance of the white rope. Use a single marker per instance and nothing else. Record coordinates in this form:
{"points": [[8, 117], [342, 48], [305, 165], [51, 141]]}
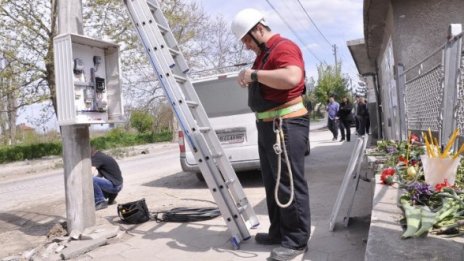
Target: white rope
{"points": [[280, 139]]}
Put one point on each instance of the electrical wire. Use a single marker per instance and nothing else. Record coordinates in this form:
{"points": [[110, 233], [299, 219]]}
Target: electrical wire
{"points": [[294, 33], [312, 21], [320, 32], [186, 214]]}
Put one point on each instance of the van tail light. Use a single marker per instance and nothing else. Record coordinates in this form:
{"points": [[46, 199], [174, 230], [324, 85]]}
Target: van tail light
{"points": [[181, 141]]}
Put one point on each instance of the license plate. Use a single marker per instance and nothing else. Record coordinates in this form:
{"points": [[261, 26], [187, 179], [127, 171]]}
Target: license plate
{"points": [[231, 138]]}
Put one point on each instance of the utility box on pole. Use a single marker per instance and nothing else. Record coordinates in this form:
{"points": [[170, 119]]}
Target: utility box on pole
{"points": [[88, 80]]}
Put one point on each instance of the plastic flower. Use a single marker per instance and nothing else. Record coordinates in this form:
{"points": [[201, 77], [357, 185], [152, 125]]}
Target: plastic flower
{"points": [[440, 186], [392, 150], [414, 138], [419, 192], [387, 176]]}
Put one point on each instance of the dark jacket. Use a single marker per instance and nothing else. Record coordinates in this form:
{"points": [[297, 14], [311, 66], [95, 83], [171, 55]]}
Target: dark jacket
{"points": [[107, 167], [362, 111], [344, 113]]}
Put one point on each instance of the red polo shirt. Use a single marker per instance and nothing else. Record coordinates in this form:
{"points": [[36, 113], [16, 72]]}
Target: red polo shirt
{"points": [[283, 53]]}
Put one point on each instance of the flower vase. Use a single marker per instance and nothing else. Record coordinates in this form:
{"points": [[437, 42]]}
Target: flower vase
{"points": [[437, 170]]}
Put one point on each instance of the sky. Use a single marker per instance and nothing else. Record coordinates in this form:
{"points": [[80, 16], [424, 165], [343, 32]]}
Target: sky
{"points": [[336, 22]]}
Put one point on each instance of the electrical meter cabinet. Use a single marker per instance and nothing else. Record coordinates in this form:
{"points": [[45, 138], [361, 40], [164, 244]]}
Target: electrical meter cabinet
{"points": [[88, 85]]}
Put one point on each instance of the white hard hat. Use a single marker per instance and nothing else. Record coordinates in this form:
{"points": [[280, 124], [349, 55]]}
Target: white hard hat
{"points": [[245, 20]]}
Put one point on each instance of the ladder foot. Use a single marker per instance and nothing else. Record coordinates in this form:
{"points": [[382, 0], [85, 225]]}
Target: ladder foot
{"points": [[235, 243]]}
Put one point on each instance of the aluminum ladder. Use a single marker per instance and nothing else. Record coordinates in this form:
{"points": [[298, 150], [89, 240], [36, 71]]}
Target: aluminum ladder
{"points": [[171, 68]]}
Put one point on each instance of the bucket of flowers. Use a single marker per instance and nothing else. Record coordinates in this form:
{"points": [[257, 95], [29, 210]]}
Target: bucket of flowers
{"points": [[431, 182], [433, 201]]}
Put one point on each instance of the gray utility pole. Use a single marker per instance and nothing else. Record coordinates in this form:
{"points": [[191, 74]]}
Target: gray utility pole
{"points": [[80, 206], [335, 55]]}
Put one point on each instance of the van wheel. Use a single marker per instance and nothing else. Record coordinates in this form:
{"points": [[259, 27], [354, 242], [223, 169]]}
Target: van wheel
{"points": [[200, 176]]}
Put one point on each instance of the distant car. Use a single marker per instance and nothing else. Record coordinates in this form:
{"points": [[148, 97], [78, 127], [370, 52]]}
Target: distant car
{"points": [[225, 103]]}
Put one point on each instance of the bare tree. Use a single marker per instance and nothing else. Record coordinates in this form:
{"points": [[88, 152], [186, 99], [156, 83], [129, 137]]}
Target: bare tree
{"points": [[26, 42]]}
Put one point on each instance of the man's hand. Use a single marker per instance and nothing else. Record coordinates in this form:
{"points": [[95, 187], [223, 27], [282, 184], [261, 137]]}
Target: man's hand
{"points": [[244, 77]]}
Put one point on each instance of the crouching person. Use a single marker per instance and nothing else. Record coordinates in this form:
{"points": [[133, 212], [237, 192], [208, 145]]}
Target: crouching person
{"points": [[107, 179]]}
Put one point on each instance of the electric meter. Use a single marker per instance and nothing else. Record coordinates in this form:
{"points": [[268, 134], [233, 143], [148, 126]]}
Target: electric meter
{"points": [[88, 85]]}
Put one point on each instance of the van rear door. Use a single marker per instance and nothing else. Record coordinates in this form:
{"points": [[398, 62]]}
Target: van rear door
{"points": [[225, 103]]}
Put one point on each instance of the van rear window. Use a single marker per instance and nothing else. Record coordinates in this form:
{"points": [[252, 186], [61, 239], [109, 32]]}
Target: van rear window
{"points": [[222, 97]]}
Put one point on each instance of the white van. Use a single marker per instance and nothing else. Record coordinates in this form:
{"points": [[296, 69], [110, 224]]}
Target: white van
{"points": [[226, 105]]}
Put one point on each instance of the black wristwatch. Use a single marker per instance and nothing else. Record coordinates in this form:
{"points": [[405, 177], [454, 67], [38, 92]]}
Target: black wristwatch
{"points": [[254, 76]]}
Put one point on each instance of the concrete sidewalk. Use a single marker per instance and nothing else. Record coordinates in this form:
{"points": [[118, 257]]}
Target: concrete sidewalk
{"points": [[209, 240]]}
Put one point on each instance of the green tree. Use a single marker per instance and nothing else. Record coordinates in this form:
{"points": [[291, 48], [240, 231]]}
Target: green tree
{"points": [[330, 82], [142, 121]]}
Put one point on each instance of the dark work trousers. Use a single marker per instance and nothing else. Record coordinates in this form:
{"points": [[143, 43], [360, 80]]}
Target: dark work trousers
{"points": [[292, 224], [333, 127], [362, 125], [345, 129]]}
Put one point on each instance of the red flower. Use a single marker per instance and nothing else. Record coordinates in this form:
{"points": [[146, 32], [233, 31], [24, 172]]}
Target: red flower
{"points": [[387, 176], [440, 186], [401, 158], [414, 138], [388, 171]]}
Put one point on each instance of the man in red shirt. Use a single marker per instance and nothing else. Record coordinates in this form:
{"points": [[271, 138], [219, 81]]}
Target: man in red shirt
{"points": [[275, 84]]}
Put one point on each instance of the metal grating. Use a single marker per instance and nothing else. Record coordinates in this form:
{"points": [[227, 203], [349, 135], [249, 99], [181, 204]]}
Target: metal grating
{"points": [[459, 111], [423, 100]]}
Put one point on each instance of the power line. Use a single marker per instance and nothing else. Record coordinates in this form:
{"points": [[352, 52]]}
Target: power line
{"points": [[312, 21], [320, 32], [293, 31]]}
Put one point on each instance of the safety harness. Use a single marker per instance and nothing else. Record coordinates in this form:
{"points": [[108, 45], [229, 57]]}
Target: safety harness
{"points": [[279, 112]]}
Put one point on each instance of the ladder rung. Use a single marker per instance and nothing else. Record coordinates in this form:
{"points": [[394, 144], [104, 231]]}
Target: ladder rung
{"points": [[204, 129], [242, 209], [174, 52], [179, 78], [229, 181], [152, 4], [163, 29], [217, 155], [192, 104]]}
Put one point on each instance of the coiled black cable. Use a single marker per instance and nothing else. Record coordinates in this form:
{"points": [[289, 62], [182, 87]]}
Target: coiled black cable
{"points": [[186, 214]]}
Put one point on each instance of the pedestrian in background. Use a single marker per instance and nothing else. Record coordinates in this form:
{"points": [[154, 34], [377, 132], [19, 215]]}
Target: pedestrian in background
{"points": [[107, 180], [345, 116], [332, 118], [362, 115], [275, 85]]}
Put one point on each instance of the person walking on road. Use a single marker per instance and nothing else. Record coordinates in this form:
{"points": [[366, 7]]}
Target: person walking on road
{"points": [[362, 116], [332, 118], [108, 180], [275, 85], [345, 116]]}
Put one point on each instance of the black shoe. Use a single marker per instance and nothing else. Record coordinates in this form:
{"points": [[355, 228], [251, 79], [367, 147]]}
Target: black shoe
{"points": [[101, 205], [283, 253], [264, 239], [342, 140], [334, 139], [111, 198]]}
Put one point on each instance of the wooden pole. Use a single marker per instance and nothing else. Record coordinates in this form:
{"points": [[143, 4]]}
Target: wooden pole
{"points": [[80, 209]]}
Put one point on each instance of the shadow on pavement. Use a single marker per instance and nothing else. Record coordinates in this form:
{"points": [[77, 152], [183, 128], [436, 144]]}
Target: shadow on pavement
{"points": [[18, 220], [187, 180]]}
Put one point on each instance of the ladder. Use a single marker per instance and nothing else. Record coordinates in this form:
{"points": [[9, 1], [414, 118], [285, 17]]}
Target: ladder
{"points": [[171, 68]]}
